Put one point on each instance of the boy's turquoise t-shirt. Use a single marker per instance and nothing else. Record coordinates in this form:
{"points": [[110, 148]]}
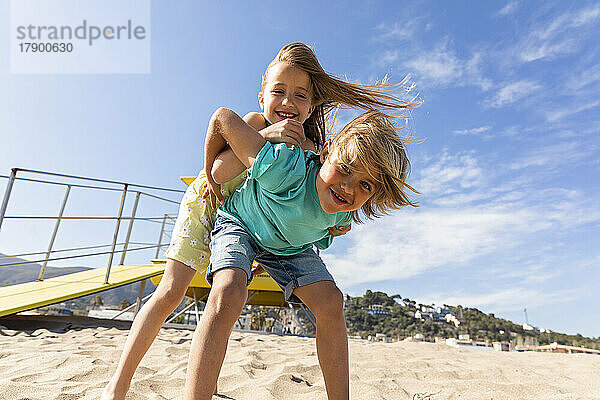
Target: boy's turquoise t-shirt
{"points": [[278, 203]]}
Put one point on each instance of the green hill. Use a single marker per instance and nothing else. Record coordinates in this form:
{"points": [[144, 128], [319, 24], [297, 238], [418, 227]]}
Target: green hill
{"points": [[398, 320]]}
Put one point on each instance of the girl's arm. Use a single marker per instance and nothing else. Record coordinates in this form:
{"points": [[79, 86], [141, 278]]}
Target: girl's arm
{"points": [[226, 127], [227, 166]]}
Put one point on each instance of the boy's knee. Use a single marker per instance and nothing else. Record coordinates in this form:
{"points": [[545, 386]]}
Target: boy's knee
{"points": [[331, 303], [229, 292]]}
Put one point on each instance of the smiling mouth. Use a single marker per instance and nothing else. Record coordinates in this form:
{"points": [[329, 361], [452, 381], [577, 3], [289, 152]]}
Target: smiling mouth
{"points": [[285, 115], [337, 198]]}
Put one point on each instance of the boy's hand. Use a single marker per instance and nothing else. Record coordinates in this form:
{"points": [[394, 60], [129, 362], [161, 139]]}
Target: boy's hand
{"points": [[339, 231], [288, 131]]}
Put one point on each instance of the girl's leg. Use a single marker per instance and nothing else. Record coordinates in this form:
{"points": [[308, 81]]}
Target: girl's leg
{"points": [[326, 302], [146, 325], [227, 297]]}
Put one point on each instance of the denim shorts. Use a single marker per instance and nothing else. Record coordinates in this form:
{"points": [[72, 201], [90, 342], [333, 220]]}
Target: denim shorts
{"points": [[232, 247]]}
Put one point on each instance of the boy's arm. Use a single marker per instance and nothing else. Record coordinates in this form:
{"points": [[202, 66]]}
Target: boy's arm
{"points": [[227, 166], [226, 127]]}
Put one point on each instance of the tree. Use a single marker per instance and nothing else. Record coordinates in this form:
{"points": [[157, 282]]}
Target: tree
{"points": [[124, 304], [97, 302], [258, 319]]}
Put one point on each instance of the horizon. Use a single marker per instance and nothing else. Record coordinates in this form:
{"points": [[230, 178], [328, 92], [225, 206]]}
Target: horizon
{"points": [[507, 162]]}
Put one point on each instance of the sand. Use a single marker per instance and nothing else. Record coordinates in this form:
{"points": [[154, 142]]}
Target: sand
{"points": [[77, 363]]}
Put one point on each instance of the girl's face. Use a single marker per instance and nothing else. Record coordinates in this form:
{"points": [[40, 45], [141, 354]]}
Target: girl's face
{"points": [[286, 94], [340, 189]]}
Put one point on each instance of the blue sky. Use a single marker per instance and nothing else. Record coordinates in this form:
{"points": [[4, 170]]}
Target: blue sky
{"points": [[507, 166]]}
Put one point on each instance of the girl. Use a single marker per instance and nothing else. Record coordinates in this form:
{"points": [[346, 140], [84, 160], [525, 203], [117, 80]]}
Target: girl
{"points": [[283, 209], [295, 117]]}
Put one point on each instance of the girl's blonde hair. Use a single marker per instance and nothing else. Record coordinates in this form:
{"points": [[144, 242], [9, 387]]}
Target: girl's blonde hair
{"points": [[370, 143], [329, 92]]}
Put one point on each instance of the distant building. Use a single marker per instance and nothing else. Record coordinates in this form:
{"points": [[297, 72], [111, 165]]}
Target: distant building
{"points": [[401, 302], [559, 348], [451, 319], [378, 309], [423, 315], [528, 327], [502, 346]]}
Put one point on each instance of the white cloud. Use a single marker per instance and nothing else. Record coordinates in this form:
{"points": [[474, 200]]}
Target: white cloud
{"points": [[465, 215], [449, 174], [388, 57], [472, 131], [441, 67], [557, 37], [398, 31], [585, 78], [509, 8], [513, 92], [473, 72], [537, 50], [554, 157], [437, 67], [503, 300], [553, 116]]}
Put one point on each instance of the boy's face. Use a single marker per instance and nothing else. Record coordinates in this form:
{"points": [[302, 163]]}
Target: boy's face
{"points": [[286, 94], [339, 189]]}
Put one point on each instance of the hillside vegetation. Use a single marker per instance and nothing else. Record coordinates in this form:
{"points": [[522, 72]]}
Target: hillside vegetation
{"points": [[401, 322]]}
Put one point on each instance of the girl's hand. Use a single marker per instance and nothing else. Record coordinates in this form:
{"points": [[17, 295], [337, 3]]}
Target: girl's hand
{"points": [[339, 231], [288, 131], [213, 197], [258, 270]]}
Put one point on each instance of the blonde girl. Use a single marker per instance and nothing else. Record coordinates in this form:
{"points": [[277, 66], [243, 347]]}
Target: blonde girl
{"points": [[292, 113]]}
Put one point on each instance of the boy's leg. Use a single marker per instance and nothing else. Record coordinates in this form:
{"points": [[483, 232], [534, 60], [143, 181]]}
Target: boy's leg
{"points": [[326, 302], [146, 325], [227, 297]]}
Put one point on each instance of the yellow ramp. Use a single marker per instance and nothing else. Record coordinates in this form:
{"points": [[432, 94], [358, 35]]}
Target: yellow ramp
{"points": [[30, 295], [263, 290]]}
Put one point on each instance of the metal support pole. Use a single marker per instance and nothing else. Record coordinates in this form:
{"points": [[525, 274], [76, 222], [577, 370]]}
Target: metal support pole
{"points": [[56, 225], [123, 311], [138, 302], [9, 185], [114, 243], [309, 315], [162, 230], [135, 204], [196, 307], [297, 319], [180, 312]]}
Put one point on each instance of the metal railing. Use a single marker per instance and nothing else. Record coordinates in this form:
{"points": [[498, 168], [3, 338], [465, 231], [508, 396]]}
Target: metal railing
{"points": [[50, 254], [74, 181]]}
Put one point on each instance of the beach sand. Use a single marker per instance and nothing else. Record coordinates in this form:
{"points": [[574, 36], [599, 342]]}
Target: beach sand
{"points": [[76, 363]]}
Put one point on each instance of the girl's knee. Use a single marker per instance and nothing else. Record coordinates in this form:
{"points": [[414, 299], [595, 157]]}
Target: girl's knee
{"points": [[170, 293]]}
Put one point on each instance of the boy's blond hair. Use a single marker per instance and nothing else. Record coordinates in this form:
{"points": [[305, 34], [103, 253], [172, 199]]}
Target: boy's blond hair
{"points": [[329, 92], [370, 142]]}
